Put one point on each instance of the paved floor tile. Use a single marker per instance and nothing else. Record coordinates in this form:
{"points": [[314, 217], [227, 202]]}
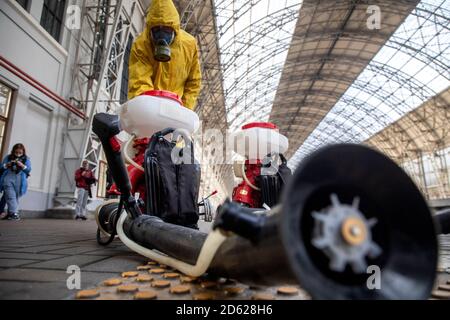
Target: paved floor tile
{"points": [[8, 263], [63, 263]]}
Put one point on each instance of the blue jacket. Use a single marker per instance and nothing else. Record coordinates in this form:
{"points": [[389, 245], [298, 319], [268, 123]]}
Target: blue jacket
{"points": [[23, 175]]}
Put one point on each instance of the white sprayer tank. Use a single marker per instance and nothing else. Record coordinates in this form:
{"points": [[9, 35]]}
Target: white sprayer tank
{"points": [[156, 110], [256, 140]]}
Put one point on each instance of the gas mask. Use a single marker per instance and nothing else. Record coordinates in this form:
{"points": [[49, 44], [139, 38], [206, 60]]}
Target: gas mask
{"points": [[162, 39]]}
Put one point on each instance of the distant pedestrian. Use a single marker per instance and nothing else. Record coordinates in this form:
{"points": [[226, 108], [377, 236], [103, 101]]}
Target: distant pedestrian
{"points": [[13, 181], [84, 178]]}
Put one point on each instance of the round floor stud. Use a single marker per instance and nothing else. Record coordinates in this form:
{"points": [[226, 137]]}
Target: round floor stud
{"points": [[171, 275], [127, 288], [204, 296], [187, 279], [157, 271], [233, 291], [263, 296], [145, 295], [87, 294], [141, 268], [112, 282], [287, 291], [129, 274], [161, 284], [144, 278], [181, 289]]}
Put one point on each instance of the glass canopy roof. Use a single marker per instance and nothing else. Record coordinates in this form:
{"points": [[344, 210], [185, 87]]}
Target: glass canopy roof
{"points": [[254, 37], [412, 67]]}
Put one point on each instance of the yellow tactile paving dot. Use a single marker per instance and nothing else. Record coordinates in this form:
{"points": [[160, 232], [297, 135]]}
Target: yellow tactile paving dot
{"points": [[157, 271], [161, 284], [187, 279], [112, 282], [287, 290], [128, 274], [127, 288], [181, 289], [233, 291], [167, 288], [204, 296], [87, 294], [152, 263], [171, 275], [263, 296], [147, 267], [145, 295], [144, 278]]}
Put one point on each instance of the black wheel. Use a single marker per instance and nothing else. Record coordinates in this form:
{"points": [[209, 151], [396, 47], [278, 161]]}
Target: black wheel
{"points": [[346, 176], [106, 221], [104, 239]]}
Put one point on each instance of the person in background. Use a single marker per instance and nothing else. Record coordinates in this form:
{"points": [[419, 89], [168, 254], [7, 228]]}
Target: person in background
{"points": [[13, 181], [165, 57], [84, 178]]}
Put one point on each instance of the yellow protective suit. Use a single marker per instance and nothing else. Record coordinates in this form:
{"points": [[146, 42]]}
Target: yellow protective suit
{"points": [[181, 74]]}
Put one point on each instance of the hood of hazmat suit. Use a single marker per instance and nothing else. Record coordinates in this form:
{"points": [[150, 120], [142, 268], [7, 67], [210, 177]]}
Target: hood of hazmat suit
{"points": [[181, 74]]}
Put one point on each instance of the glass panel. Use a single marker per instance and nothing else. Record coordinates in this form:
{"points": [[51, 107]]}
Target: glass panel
{"points": [[52, 17], [5, 97], [2, 131], [23, 4], [405, 73], [5, 102], [254, 38]]}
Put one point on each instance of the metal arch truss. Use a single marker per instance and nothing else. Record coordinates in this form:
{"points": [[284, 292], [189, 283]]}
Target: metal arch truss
{"points": [[102, 40], [210, 22], [421, 137], [253, 47], [401, 110], [198, 17], [386, 91]]}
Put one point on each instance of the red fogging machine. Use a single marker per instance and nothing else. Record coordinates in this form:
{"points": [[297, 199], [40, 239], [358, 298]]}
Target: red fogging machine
{"points": [[264, 171]]}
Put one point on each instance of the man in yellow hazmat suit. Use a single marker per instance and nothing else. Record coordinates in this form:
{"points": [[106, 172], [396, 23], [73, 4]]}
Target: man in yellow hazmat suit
{"points": [[164, 57]]}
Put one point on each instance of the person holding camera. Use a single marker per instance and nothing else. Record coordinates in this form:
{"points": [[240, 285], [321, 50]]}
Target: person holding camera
{"points": [[84, 178], [13, 181]]}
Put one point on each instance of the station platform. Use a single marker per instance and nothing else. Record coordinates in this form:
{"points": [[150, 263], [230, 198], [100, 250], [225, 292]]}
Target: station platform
{"points": [[35, 255]]}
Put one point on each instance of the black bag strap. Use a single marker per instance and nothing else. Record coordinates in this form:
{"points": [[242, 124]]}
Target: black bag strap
{"points": [[187, 141], [156, 136]]}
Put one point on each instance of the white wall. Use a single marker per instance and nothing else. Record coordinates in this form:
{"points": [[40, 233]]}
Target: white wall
{"points": [[35, 120]]}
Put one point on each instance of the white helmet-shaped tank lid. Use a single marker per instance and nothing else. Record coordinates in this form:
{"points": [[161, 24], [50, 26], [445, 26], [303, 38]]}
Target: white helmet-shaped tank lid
{"points": [[257, 139], [154, 111]]}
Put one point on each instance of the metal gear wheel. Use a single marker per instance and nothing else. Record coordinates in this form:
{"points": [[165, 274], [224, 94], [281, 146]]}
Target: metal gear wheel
{"points": [[343, 233]]}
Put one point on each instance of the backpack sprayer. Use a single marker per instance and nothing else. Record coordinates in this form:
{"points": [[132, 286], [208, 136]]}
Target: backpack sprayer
{"points": [[263, 177], [346, 209]]}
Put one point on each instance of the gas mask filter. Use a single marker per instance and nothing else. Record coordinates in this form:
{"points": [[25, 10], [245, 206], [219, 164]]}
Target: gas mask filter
{"points": [[162, 39]]}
